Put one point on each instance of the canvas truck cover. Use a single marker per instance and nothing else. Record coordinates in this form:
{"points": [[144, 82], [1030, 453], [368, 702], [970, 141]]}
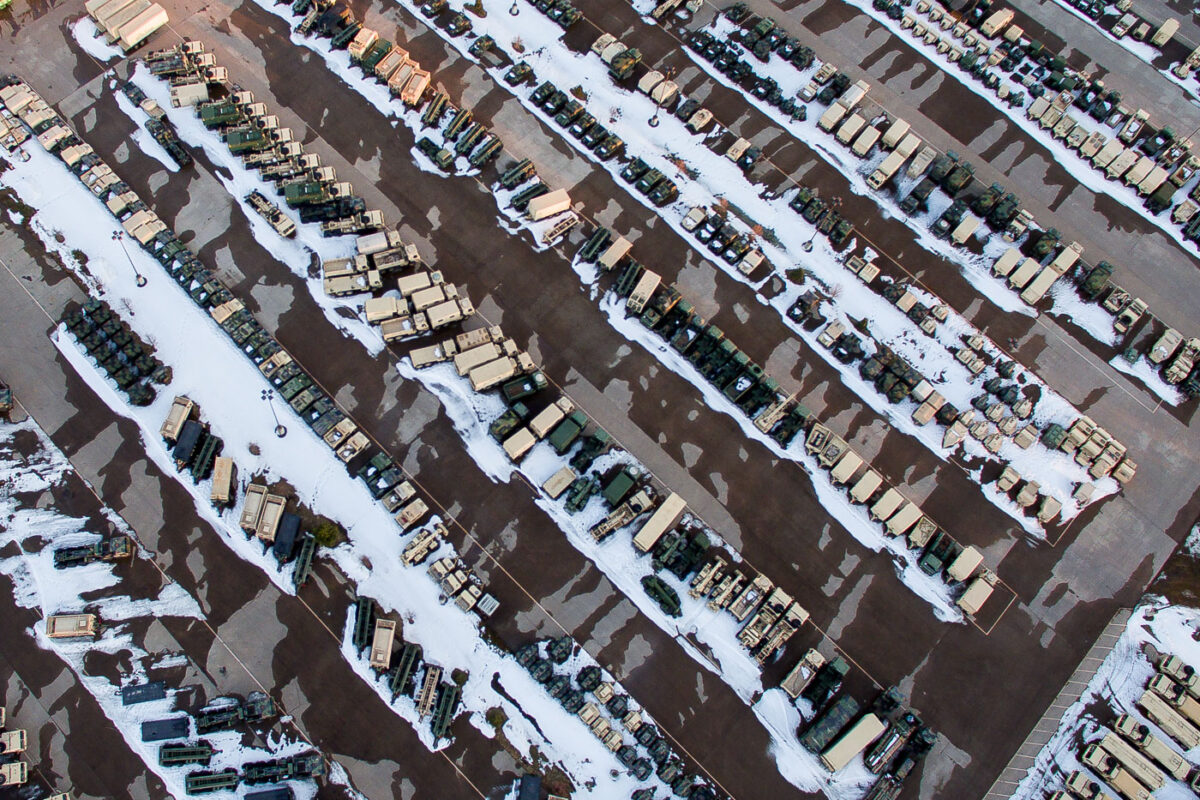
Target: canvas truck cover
{"points": [[964, 566], [903, 519], [887, 505], [865, 486]]}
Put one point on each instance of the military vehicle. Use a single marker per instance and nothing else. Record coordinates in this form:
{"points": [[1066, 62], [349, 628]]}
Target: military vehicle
{"points": [[111, 549], [623, 64], [517, 174], [432, 116], [364, 618], [940, 551], [518, 73], [458, 24], [950, 218], [400, 679], [440, 156], [942, 166], [592, 447], [886, 748], [205, 782], [506, 423], [580, 492], [165, 136], [828, 679], [566, 432], [662, 594], [560, 649], [520, 201], [826, 726], [1097, 279], [958, 178], [523, 386], [178, 753], [303, 765], [610, 147], [983, 203]]}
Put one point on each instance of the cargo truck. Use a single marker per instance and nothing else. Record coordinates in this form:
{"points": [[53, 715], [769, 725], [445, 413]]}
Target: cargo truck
{"points": [[519, 443], [865, 141], [854, 741], [964, 566], [1177, 697], [549, 204], [895, 133], [665, 517], [886, 170], [1110, 770], [485, 376], [1171, 721], [141, 27], [1133, 762], [964, 229], [117, 15], [832, 116], [558, 482], [845, 467], [1154, 747], [866, 486], [887, 504]]}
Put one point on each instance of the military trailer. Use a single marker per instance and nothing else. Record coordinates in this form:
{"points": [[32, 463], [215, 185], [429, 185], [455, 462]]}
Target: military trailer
{"points": [[222, 481], [268, 521], [256, 495], [72, 626], [803, 673], [827, 725], [381, 644], [558, 482], [181, 410], [977, 593]]}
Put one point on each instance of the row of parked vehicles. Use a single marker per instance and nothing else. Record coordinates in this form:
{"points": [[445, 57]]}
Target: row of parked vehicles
{"points": [[411, 676], [609, 715], [117, 350], [1042, 258], [257, 137], [1063, 99], [1132, 759]]}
